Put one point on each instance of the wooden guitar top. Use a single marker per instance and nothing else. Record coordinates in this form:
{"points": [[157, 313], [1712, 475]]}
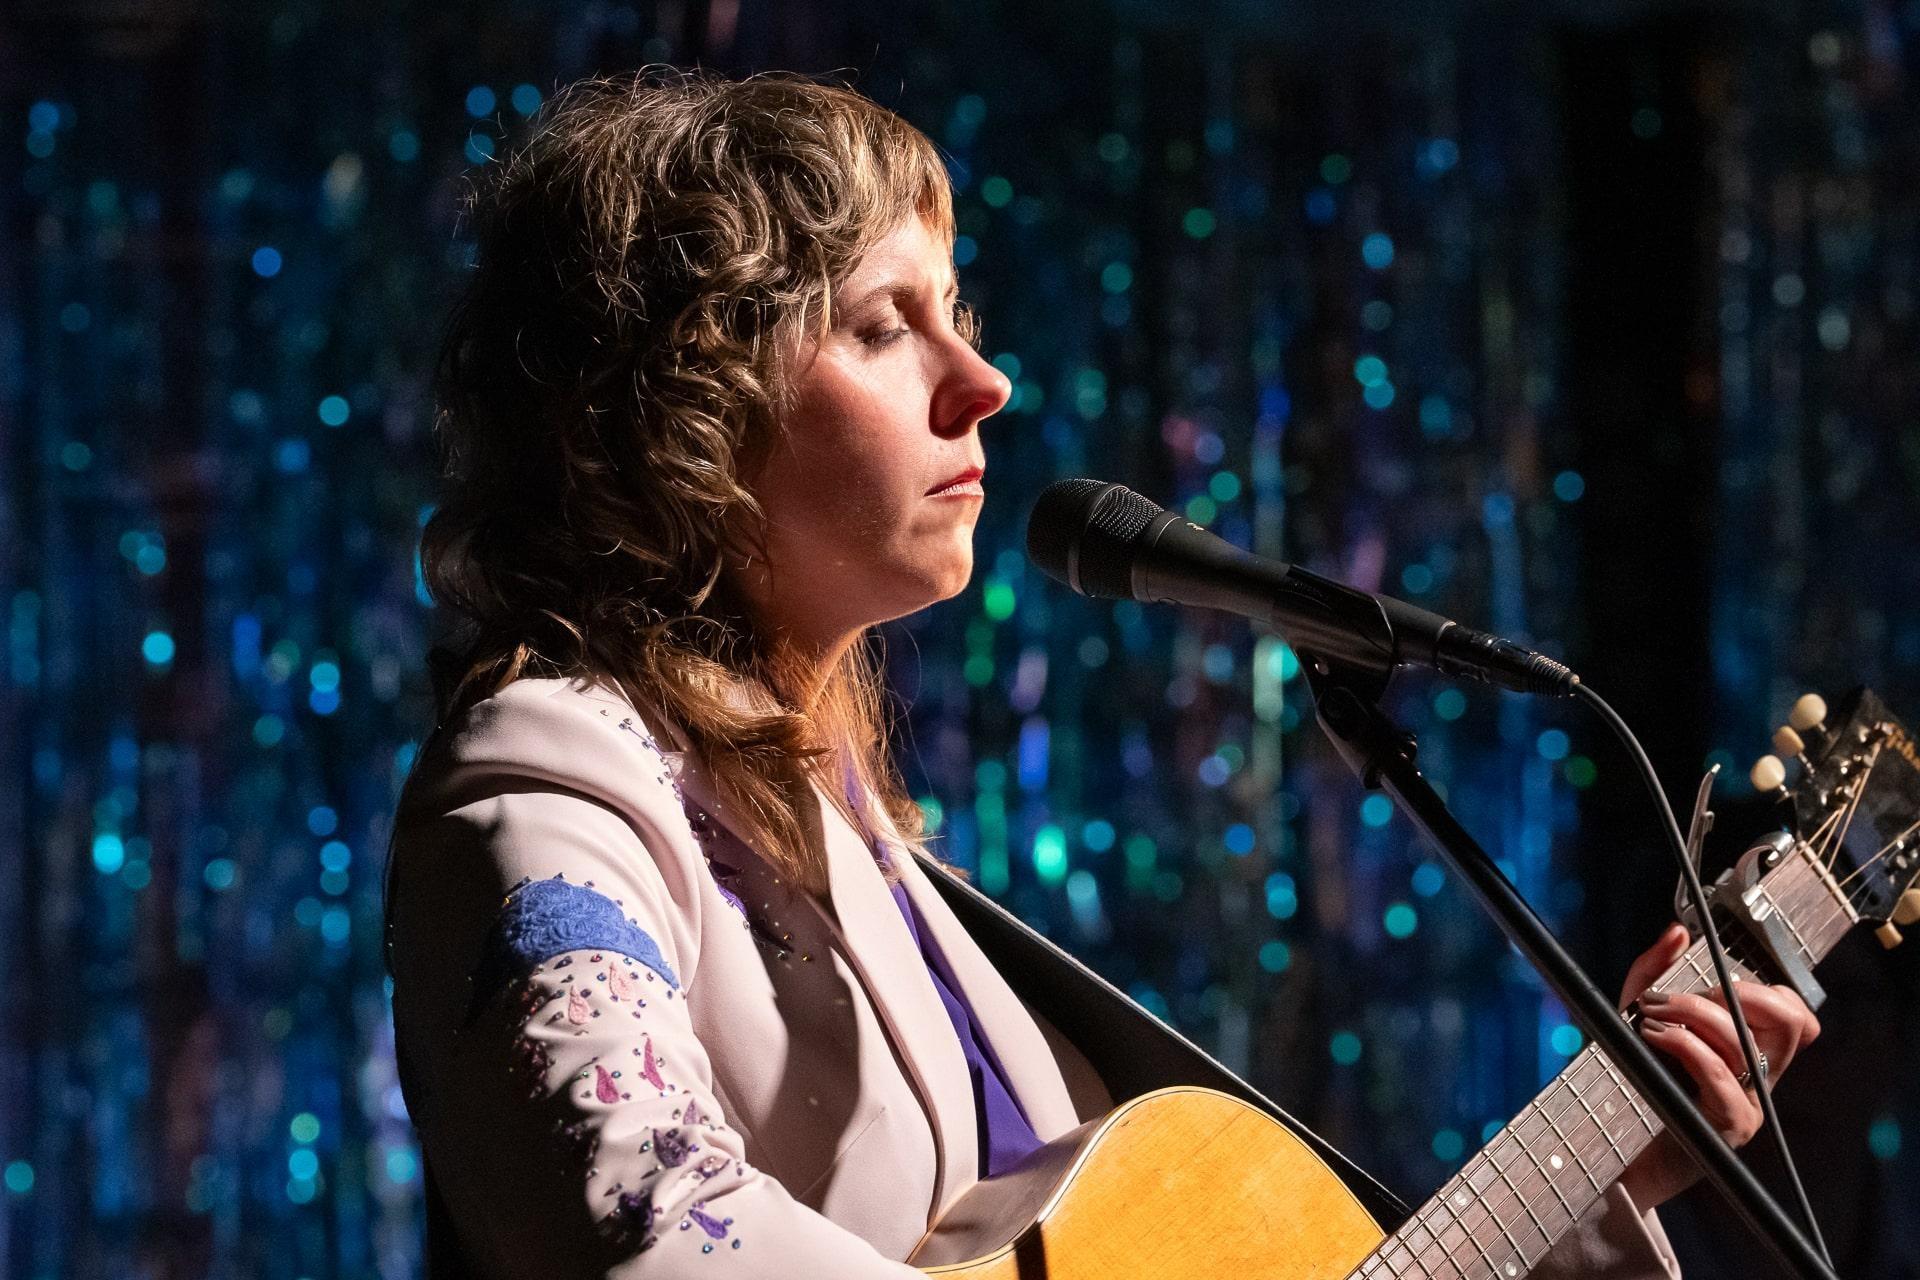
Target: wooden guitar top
{"points": [[1179, 1184]]}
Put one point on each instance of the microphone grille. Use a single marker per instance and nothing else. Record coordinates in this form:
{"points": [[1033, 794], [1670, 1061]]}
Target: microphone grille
{"points": [[1082, 533]]}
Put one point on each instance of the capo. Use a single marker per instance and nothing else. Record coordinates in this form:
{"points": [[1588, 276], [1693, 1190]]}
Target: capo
{"points": [[1738, 894], [1697, 828]]}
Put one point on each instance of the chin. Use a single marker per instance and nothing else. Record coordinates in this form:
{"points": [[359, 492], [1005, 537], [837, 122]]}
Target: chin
{"points": [[931, 587], [957, 579]]}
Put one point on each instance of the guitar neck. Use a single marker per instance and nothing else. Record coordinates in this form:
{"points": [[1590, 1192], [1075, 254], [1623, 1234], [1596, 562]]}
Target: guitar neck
{"points": [[1509, 1204]]}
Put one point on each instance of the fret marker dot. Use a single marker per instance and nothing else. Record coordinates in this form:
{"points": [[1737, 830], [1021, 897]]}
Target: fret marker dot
{"points": [[1460, 1197], [1554, 1161], [1512, 1270], [1609, 1108]]}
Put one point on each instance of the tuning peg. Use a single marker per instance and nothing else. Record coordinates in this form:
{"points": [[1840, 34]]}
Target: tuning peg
{"points": [[1906, 908], [1768, 776], [1889, 936], [1789, 743], [1809, 713]]}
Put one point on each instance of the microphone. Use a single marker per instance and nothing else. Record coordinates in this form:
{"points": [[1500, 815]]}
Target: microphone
{"points": [[1106, 541]]}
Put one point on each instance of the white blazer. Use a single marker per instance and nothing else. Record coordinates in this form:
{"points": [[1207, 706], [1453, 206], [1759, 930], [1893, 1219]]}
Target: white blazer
{"points": [[629, 1049]]}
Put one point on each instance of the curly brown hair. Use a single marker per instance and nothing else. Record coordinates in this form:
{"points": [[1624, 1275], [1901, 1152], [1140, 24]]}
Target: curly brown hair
{"points": [[617, 363]]}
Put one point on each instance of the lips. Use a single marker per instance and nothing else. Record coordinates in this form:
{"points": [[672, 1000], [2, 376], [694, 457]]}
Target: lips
{"points": [[967, 481]]}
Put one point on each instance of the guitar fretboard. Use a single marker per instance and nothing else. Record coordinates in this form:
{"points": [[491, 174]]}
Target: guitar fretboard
{"points": [[1509, 1204]]}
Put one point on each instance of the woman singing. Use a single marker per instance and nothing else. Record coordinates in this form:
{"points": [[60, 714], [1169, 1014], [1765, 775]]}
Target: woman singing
{"points": [[672, 996]]}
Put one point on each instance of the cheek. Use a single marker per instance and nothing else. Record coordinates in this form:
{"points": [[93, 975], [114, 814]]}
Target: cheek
{"points": [[835, 495], [857, 460]]}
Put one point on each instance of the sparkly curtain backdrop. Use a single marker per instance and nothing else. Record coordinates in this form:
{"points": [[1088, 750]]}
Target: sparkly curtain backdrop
{"points": [[1305, 322], [1318, 282], [1814, 253]]}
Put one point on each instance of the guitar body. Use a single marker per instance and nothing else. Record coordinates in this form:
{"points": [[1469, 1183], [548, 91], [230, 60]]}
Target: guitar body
{"points": [[1179, 1184]]}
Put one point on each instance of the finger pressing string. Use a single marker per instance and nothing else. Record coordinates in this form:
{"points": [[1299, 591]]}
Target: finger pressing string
{"points": [[1731, 1109], [1777, 1017], [1654, 961]]}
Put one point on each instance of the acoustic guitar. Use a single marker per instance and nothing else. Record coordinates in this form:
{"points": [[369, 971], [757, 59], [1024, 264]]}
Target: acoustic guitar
{"points": [[1166, 1185]]}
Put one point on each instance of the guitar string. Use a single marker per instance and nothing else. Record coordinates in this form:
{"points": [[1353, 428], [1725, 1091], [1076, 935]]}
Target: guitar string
{"points": [[1846, 912], [1815, 843], [1821, 841], [1855, 794], [1423, 1220], [1815, 887], [1884, 851], [1449, 1253], [1578, 1139], [1796, 896], [1583, 1130], [1590, 1139], [1820, 887], [1820, 832], [1573, 1092], [1742, 948], [1837, 839], [1858, 793], [1841, 912], [1788, 901], [1791, 896], [1499, 1210]]}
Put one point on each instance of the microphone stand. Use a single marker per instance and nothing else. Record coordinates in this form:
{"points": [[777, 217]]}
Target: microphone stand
{"points": [[1346, 699]]}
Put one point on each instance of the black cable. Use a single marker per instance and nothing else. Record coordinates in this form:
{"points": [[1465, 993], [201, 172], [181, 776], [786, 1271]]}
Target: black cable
{"points": [[1763, 1088]]}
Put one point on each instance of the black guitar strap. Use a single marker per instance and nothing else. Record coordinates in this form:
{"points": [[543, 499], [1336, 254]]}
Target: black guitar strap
{"points": [[1133, 1051]]}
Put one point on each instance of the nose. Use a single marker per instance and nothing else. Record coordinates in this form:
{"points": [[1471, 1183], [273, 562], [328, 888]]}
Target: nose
{"points": [[973, 389]]}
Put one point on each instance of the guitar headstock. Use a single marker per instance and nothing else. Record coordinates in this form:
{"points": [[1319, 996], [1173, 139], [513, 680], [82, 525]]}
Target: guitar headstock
{"points": [[1855, 799]]}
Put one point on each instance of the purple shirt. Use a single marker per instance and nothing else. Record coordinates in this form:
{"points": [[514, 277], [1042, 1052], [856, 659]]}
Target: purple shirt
{"points": [[1005, 1135]]}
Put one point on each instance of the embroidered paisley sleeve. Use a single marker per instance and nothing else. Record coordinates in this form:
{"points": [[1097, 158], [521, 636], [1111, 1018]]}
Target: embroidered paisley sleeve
{"points": [[598, 1041], [570, 1118]]}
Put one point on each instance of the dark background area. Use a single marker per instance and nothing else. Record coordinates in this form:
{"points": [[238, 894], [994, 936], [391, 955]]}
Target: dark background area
{"points": [[1593, 324]]}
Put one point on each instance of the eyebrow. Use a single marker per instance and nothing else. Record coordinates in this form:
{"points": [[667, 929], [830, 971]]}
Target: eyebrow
{"points": [[899, 291]]}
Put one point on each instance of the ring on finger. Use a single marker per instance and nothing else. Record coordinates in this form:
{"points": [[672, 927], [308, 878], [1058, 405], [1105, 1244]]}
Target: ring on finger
{"points": [[1745, 1078]]}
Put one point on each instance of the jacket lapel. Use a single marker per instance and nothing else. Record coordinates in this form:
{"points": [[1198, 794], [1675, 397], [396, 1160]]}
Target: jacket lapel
{"points": [[1016, 1041], [873, 937]]}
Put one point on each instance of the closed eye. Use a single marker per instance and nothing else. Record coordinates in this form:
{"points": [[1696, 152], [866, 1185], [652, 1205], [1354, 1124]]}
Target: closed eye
{"points": [[959, 315], [887, 337]]}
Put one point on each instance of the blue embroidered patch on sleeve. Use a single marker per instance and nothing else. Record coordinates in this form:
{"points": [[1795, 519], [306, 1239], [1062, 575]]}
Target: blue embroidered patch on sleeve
{"points": [[546, 918]]}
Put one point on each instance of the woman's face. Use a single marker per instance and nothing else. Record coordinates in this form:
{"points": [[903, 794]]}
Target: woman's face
{"points": [[863, 524]]}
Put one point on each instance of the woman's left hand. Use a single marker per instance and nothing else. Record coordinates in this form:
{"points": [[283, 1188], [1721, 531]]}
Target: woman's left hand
{"points": [[1698, 1033]]}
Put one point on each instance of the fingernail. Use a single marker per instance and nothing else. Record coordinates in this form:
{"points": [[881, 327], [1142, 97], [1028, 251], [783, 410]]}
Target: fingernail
{"points": [[1655, 998], [1655, 1025]]}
